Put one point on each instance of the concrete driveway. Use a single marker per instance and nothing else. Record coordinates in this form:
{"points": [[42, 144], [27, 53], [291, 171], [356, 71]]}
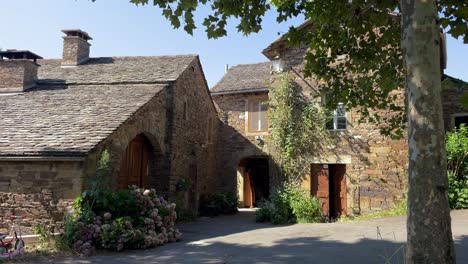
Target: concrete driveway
{"points": [[238, 239]]}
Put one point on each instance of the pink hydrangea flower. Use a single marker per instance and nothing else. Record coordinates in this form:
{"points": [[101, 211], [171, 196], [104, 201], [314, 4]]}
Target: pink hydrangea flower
{"points": [[107, 216]]}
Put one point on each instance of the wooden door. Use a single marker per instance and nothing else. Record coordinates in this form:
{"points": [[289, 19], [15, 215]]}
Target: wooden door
{"points": [[320, 185], [339, 185], [134, 164], [248, 193]]}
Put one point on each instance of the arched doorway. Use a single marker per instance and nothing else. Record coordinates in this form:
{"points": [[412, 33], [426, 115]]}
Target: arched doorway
{"points": [[135, 163], [253, 181]]}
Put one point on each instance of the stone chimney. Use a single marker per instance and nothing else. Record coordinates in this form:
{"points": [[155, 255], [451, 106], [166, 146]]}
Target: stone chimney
{"points": [[18, 70], [75, 47]]}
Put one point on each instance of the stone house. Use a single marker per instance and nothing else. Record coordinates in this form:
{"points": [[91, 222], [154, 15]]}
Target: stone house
{"points": [[362, 172], [154, 115]]}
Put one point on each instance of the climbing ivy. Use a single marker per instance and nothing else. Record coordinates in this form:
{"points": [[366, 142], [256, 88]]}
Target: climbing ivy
{"points": [[297, 128]]}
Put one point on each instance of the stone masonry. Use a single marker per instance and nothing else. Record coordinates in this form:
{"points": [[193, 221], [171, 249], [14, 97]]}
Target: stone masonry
{"points": [[17, 75], [48, 158]]}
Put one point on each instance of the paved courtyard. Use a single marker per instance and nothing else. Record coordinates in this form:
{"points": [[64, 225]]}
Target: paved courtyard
{"points": [[238, 239]]}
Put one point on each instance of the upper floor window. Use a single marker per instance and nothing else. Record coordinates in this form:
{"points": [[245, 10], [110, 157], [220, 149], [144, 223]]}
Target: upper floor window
{"points": [[257, 116], [338, 121]]}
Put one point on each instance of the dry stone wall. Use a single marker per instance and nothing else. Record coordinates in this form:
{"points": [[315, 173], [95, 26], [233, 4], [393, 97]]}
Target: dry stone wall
{"points": [[42, 192]]}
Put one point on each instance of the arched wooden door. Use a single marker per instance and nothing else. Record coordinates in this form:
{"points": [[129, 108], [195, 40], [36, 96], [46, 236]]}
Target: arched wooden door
{"points": [[134, 168]]}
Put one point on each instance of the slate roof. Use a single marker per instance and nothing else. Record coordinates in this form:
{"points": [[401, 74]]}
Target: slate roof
{"points": [[67, 122], [276, 47], [245, 78], [117, 70], [75, 108]]}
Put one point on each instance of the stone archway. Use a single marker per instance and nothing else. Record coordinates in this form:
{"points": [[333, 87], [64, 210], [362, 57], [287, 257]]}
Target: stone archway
{"points": [[253, 180]]}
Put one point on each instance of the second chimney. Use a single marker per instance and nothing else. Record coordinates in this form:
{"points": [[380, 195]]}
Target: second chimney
{"points": [[75, 47]]}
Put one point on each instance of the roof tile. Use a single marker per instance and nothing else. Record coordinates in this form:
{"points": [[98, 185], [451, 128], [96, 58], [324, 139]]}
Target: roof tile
{"points": [[245, 77]]}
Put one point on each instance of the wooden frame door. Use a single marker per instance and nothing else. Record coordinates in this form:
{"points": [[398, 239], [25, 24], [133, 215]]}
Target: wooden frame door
{"points": [[320, 186], [328, 184], [339, 186], [134, 168]]}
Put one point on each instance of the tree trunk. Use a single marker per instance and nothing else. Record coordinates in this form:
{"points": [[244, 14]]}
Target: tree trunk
{"points": [[428, 227]]}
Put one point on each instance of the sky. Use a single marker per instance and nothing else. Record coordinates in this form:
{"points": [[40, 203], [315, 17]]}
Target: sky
{"points": [[119, 28]]}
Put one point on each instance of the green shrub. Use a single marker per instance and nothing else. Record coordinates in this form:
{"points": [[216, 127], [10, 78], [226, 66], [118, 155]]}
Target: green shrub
{"points": [[290, 204], [305, 208], [43, 234], [457, 167], [458, 191], [219, 203]]}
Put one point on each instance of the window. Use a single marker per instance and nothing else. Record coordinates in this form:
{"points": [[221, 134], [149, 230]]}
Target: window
{"points": [[461, 119], [338, 121], [257, 116]]}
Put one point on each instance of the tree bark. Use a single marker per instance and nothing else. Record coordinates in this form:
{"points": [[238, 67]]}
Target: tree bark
{"points": [[428, 224]]}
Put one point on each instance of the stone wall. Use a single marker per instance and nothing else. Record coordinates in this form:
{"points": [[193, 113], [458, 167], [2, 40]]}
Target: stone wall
{"points": [[452, 90], [375, 165], [40, 191], [17, 75], [192, 147], [75, 50], [179, 139], [149, 120], [234, 143]]}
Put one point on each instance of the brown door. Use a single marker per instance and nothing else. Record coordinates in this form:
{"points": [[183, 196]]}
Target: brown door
{"points": [[134, 166], [339, 185], [320, 185]]}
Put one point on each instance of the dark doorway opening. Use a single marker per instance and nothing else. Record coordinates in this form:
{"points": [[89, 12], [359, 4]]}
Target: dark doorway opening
{"points": [[254, 183], [329, 186], [135, 163]]}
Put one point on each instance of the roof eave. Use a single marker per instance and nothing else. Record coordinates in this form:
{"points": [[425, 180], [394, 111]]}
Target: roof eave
{"points": [[43, 158], [241, 91]]}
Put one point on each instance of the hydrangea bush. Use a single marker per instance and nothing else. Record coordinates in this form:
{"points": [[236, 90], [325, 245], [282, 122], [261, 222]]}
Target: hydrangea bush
{"points": [[150, 223]]}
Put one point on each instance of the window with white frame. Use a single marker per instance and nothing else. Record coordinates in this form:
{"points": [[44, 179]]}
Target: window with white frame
{"points": [[339, 119], [257, 116]]}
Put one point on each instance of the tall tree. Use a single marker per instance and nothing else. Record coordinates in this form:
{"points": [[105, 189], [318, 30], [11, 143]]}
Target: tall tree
{"points": [[380, 58], [429, 233]]}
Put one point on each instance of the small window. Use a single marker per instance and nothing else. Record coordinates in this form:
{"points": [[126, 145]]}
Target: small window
{"points": [[185, 110], [257, 116], [458, 120], [338, 121]]}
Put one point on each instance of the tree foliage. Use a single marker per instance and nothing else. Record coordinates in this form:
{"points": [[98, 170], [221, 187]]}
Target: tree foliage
{"points": [[355, 53], [297, 128], [359, 33], [457, 167]]}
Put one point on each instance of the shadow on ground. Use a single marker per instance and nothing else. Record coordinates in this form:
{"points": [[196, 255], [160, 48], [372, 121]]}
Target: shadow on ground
{"points": [[238, 239]]}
